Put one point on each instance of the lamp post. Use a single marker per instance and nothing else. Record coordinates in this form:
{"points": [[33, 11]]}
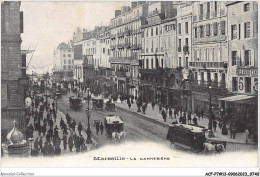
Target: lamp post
{"points": [[89, 141], [138, 100], [211, 134]]}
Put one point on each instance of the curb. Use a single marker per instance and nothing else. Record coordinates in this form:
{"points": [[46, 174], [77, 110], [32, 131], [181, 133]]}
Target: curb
{"points": [[167, 124]]}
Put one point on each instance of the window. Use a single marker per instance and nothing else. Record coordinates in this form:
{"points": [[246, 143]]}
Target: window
{"points": [[202, 76], [179, 26], [247, 29], [186, 27], [69, 62], [147, 33], [147, 64], [156, 30], [152, 63], [187, 41], [233, 32], [195, 32], [208, 30], [201, 31], [69, 55], [3, 59], [64, 61], [179, 46], [234, 84], [201, 9], [151, 31], [64, 55], [234, 58], [246, 7], [247, 84], [208, 8], [104, 50], [64, 67], [222, 27], [215, 28], [162, 62], [179, 61], [248, 58]]}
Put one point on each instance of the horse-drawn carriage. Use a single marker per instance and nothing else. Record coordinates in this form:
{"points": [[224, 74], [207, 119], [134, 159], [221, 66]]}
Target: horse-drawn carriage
{"points": [[110, 106], [193, 138], [97, 104], [114, 126], [75, 103]]}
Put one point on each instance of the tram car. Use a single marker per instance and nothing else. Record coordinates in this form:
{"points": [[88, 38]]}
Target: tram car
{"points": [[75, 103], [114, 125], [192, 137], [98, 104]]}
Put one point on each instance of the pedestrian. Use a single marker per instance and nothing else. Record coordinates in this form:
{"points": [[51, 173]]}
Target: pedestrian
{"points": [[153, 104], [175, 114], [53, 105], [189, 117], [56, 131], [81, 142], [57, 150], [195, 120], [73, 125], [246, 135], [36, 143], [65, 141], [129, 105], [80, 128], [55, 117], [70, 141], [170, 113], [163, 115], [44, 129], [160, 109], [62, 123], [40, 143], [202, 113], [101, 128], [214, 125], [97, 128], [143, 108], [50, 122]]}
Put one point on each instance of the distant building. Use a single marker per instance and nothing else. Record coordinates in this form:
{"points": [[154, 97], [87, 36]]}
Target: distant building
{"points": [[13, 68], [63, 62]]}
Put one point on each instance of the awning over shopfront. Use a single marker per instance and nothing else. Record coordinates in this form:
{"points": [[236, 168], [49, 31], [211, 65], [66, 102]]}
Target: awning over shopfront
{"points": [[237, 98]]}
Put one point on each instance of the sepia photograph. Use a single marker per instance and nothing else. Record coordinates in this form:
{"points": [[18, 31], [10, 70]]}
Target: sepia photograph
{"points": [[129, 84]]}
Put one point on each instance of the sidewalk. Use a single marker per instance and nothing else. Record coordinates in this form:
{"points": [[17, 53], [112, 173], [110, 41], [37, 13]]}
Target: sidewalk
{"points": [[154, 115]]}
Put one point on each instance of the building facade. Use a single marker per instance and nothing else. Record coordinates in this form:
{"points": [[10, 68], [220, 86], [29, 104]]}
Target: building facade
{"points": [[63, 62], [13, 68], [209, 53], [125, 44]]}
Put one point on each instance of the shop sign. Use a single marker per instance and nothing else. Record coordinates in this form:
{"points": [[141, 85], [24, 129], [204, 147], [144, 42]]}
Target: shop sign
{"points": [[247, 71]]}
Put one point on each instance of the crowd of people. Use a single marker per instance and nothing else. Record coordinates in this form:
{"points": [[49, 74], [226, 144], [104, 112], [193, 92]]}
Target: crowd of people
{"points": [[48, 134]]}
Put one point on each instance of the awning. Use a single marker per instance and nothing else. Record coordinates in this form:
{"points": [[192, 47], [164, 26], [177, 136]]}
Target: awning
{"points": [[236, 98]]}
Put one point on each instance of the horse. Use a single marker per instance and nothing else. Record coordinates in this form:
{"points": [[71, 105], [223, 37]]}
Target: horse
{"points": [[122, 136], [115, 137], [213, 147]]}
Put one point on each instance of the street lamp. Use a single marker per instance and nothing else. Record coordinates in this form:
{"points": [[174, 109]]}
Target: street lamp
{"points": [[138, 107], [211, 134], [89, 141]]}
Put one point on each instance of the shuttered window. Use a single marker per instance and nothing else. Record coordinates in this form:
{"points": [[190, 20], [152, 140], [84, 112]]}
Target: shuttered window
{"points": [[222, 27], [247, 29], [233, 31], [208, 30], [215, 28]]}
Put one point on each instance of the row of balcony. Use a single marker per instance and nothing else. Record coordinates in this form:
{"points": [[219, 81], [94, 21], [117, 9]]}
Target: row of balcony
{"points": [[209, 15], [127, 45], [211, 38], [137, 17], [129, 59], [207, 64]]}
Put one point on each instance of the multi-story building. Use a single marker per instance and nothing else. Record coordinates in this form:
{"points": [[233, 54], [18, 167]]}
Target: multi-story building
{"points": [[158, 59], [209, 53], [125, 44], [63, 62], [13, 68], [242, 74]]}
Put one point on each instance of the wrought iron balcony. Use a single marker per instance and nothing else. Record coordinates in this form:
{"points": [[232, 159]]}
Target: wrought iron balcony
{"points": [[123, 60], [211, 38], [204, 86], [128, 32], [119, 46], [128, 45], [207, 64], [120, 34]]}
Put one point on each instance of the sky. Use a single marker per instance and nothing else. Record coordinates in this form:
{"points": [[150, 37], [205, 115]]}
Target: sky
{"points": [[50, 23]]}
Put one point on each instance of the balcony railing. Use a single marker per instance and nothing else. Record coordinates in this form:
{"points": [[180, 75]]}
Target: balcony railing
{"points": [[128, 45], [122, 74], [136, 46], [120, 34], [210, 39], [128, 32], [123, 60], [119, 46], [203, 86], [112, 46], [207, 64]]}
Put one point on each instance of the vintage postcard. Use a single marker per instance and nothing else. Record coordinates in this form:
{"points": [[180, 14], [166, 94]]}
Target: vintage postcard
{"points": [[96, 84]]}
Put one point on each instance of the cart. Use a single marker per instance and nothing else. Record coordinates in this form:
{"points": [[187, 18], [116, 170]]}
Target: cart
{"points": [[113, 124], [110, 106], [98, 104], [75, 103]]}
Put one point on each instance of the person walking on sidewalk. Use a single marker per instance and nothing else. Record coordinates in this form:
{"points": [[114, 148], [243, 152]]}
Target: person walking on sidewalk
{"points": [[160, 108], [202, 113], [97, 128], [189, 117], [101, 128], [80, 128], [153, 104], [214, 125], [170, 113], [65, 141], [70, 141], [175, 114], [246, 135]]}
